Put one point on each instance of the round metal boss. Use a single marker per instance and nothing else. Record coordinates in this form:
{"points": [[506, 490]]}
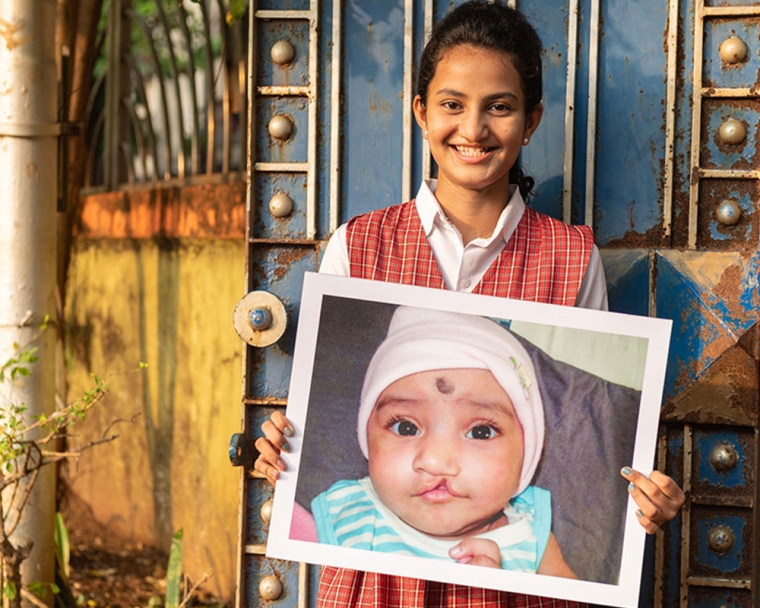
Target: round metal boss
{"points": [[721, 539], [280, 127], [733, 50], [728, 212], [270, 587], [723, 457], [283, 52], [260, 318], [280, 205], [266, 511], [733, 132]]}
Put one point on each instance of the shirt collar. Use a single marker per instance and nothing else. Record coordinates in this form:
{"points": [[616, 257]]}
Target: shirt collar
{"points": [[429, 210]]}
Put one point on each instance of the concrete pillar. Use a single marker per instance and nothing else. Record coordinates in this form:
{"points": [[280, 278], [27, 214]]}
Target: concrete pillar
{"points": [[28, 159]]}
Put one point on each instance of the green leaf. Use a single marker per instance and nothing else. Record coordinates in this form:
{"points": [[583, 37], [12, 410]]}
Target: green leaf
{"points": [[10, 591], [62, 542], [174, 572]]}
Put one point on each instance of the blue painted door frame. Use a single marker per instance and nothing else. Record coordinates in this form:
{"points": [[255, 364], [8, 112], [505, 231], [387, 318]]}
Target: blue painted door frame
{"points": [[641, 145]]}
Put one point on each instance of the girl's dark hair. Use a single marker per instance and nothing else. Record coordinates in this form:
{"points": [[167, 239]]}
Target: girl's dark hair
{"points": [[491, 26]]}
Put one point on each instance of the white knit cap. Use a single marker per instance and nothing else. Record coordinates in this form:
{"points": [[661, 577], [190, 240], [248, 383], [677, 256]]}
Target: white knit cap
{"points": [[421, 340]]}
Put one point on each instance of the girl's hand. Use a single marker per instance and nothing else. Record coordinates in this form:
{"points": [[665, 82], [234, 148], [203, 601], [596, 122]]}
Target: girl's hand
{"points": [[658, 497], [478, 552], [275, 430]]}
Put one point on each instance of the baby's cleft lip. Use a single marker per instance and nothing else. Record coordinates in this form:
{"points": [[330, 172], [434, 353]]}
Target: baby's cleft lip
{"points": [[438, 492]]}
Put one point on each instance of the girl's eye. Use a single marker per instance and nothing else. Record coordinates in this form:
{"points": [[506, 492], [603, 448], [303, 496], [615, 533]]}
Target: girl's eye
{"points": [[500, 107], [404, 428], [481, 431], [451, 105]]}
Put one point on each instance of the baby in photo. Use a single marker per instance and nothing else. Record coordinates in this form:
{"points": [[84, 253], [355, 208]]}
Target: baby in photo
{"points": [[451, 422]]}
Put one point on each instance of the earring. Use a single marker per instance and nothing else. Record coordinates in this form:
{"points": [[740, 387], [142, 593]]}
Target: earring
{"points": [[426, 133], [525, 141]]}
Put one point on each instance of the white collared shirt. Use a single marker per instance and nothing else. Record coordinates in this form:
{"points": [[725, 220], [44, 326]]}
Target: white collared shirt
{"points": [[463, 266]]}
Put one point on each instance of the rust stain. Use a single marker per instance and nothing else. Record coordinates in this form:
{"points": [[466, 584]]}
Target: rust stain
{"points": [[287, 258], [10, 33], [207, 210]]}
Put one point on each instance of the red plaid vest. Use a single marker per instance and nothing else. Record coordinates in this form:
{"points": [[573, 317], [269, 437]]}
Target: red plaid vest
{"points": [[544, 261]]}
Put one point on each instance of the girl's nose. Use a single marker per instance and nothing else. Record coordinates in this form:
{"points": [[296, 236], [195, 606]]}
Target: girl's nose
{"points": [[473, 125], [436, 456]]}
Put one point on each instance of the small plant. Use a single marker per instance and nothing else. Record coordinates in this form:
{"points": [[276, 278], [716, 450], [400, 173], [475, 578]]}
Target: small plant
{"points": [[27, 444], [176, 597]]}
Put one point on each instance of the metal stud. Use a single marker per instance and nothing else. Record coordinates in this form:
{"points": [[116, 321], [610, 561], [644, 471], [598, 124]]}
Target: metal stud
{"points": [[266, 511], [721, 539], [281, 205], [728, 212], [270, 587], [723, 457], [733, 132], [733, 50], [260, 319], [283, 52], [280, 127]]}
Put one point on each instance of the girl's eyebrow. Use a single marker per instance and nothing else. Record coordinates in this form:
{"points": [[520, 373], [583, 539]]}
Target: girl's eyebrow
{"points": [[500, 95]]}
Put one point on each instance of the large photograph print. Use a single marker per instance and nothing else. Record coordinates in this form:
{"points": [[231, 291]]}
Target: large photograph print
{"points": [[469, 439]]}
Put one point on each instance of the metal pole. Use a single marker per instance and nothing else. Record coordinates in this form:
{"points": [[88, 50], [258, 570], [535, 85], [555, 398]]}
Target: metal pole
{"points": [[28, 166]]}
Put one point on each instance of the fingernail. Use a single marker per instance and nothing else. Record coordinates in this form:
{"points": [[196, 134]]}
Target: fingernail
{"points": [[631, 487], [626, 471], [454, 551], [639, 513], [285, 447], [281, 464], [274, 473], [288, 432]]}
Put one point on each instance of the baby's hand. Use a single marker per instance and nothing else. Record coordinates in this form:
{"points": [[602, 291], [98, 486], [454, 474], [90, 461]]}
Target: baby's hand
{"points": [[478, 552], [275, 430]]}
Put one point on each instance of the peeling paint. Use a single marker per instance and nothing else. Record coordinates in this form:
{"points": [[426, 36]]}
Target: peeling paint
{"points": [[10, 33]]}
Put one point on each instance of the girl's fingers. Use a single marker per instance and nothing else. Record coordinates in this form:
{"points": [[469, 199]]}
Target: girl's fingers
{"points": [[281, 422], [658, 497]]}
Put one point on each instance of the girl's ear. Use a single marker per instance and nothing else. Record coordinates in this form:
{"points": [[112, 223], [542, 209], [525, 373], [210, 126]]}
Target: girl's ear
{"points": [[420, 114], [533, 120]]}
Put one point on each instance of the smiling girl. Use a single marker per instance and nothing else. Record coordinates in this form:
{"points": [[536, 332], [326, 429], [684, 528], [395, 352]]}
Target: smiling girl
{"points": [[478, 102]]}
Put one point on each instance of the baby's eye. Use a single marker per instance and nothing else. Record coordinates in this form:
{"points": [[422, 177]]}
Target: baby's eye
{"points": [[405, 428], [481, 431]]}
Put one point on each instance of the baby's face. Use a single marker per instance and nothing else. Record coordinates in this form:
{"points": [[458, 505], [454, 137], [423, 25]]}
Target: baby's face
{"points": [[445, 451]]}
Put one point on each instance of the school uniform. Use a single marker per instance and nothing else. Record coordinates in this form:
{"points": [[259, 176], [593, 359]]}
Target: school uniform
{"points": [[529, 256]]}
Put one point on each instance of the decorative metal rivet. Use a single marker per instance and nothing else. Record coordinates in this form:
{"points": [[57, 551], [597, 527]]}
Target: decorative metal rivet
{"points": [[250, 318], [266, 511], [723, 457], [281, 205], [270, 587], [721, 539], [733, 132], [280, 127], [728, 212], [260, 319], [283, 52], [733, 50]]}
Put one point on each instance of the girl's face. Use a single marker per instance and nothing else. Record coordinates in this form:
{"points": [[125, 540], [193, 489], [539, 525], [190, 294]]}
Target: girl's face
{"points": [[446, 451], [475, 119]]}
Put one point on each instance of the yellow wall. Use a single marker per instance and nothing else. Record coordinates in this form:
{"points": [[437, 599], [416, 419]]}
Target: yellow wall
{"points": [[168, 303]]}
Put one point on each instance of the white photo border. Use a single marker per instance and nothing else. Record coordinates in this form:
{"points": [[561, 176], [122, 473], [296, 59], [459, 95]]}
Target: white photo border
{"points": [[657, 331]]}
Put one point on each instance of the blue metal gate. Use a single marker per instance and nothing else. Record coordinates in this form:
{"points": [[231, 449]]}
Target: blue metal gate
{"points": [[650, 135]]}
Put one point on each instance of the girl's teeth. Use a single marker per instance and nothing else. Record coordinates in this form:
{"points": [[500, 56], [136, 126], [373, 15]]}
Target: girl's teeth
{"points": [[471, 151]]}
